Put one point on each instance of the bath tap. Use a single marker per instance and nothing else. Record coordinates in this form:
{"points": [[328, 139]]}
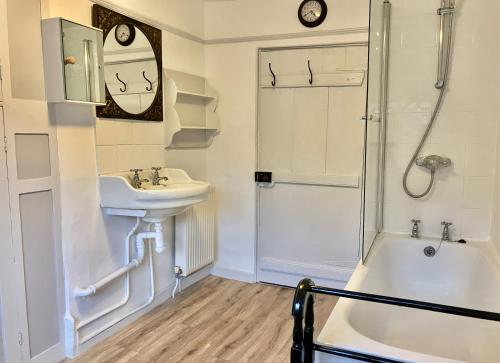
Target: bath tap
{"points": [[414, 230], [446, 231], [156, 175], [136, 180]]}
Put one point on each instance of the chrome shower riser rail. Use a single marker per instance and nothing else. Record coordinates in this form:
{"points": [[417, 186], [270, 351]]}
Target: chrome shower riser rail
{"points": [[303, 346], [446, 17], [444, 59]]}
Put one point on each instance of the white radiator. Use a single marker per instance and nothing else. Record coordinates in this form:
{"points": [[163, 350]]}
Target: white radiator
{"points": [[194, 237]]}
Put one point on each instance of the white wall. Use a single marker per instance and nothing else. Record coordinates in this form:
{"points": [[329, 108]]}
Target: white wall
{"points": [[466, 129], [230, 19], [495, 223], [184, 15], [94, 243], [231, 69]]}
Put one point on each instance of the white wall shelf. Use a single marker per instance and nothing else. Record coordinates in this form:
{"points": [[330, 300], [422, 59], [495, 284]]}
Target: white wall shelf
{"points": [[193, 94], [199, 128], [190, 111]]}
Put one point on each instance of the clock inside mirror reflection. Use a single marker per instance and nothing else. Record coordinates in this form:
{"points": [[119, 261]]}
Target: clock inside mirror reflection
{"points": [[130, 68]]}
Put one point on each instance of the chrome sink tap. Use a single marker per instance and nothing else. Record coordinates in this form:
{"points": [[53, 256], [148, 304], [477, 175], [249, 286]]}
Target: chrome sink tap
{"points": [[446, 231], [136, 180], [156, 175], [414, 231]]}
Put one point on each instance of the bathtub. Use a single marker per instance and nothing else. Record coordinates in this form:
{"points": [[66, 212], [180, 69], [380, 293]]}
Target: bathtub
{"points": [[459, 275]]}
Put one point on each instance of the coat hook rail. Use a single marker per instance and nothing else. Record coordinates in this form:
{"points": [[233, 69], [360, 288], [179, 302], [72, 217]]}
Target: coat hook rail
{"points": [[150, 87], [310, 72], [124, 88], [273, 82]]}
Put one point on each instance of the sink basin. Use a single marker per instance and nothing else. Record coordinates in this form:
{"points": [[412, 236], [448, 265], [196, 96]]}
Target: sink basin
{"points": [[171, 197]]}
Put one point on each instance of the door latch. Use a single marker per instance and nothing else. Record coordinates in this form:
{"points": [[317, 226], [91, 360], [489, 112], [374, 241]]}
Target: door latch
{"points": [[263, 177]]}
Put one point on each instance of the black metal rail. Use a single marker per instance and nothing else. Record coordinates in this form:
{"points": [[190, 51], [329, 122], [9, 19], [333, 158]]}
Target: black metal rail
{"points": [[303, 346]]}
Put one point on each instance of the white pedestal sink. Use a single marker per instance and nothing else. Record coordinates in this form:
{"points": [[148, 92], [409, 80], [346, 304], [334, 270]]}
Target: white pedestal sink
{"points": [[152, 203]]}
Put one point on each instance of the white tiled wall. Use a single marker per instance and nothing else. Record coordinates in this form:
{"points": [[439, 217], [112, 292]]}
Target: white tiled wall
{"points": [[123, 145], [466, 129]]}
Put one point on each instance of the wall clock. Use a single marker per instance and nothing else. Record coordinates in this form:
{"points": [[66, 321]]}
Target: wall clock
{"points": [[125, 34], [312, 12]]}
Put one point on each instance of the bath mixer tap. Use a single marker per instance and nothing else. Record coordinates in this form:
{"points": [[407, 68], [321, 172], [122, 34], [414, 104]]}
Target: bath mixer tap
{"points": [[414, 230], [156, 175], [446, 231], [136, 180]]}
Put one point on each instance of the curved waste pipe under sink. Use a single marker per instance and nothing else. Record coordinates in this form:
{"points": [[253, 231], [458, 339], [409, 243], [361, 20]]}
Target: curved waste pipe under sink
{"points": [[91, 290]]}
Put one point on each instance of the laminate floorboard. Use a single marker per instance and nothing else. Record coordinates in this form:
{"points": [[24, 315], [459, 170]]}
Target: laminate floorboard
{"points": [[213, 321]]}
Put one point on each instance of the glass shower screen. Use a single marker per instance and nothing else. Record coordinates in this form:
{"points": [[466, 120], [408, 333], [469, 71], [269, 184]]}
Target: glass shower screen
{"points": [[376, 109]]}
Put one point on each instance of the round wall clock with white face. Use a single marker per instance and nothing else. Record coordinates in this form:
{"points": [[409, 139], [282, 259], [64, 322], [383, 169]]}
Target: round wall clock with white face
{"points": [[125, 34], [312, 12]]}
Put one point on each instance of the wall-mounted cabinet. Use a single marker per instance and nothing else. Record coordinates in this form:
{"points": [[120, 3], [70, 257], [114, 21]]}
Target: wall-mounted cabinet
{"points": [[190, 111], [73, 62]]}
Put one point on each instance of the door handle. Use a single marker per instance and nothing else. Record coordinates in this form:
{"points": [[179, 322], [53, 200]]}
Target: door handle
{"points": [[266, 185]]}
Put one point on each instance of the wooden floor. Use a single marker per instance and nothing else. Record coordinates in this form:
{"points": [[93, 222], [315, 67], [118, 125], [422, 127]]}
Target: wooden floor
{"points": [[213, 321]]}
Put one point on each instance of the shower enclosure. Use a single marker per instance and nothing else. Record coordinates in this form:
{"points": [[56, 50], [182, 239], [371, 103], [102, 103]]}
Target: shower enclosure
{"points": [[377, 118], [432, 296]]}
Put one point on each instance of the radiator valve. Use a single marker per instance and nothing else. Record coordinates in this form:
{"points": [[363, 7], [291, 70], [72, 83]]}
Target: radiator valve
{"points": [[178, 271]]}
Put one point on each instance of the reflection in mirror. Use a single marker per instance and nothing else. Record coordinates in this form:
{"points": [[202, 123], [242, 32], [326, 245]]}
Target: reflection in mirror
{"points": [[130, 70], [82, 49]]}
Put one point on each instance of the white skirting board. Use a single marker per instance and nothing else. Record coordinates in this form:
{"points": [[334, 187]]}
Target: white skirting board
{"points": [[232, 274], [195, 237]]}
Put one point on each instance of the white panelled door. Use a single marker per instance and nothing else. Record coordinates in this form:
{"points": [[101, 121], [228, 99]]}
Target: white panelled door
{"points": [[9, 347], [311, 139], [31, 279], [34, 214]]}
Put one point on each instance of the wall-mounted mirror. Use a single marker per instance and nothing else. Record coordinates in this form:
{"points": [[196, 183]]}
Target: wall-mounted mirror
{"points": [[132, 67]]}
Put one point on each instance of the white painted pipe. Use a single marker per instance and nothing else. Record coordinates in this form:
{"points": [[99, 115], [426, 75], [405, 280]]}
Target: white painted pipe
{"points": [[146, 304], [160, 238], [140, 247], [126, 298], [92, 289]]}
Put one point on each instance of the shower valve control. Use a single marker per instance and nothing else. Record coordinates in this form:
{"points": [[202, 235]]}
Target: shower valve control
{"points": [[414, 230]]}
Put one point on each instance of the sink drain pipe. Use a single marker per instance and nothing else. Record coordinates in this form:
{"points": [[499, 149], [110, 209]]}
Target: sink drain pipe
{"points": [[78, 292], [157, 235]]}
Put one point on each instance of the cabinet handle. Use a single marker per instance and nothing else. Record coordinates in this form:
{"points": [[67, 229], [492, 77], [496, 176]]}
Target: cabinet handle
{"points": [[69, 60]]}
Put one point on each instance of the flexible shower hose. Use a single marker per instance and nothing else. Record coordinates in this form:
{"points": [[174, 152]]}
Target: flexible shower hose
{"points": [[434, 115]]}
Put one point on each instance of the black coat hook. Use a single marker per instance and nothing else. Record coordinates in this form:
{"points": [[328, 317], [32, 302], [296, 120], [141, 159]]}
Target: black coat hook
{"points": [[150, 87], [124, 89], [273, 82], [310, 72]]}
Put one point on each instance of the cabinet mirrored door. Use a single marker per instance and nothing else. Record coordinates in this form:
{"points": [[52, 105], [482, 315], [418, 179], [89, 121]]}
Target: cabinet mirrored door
{"points": [[82, 49]]}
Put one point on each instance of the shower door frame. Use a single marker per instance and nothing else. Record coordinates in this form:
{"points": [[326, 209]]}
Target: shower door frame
{"points": [[383, 104]]}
